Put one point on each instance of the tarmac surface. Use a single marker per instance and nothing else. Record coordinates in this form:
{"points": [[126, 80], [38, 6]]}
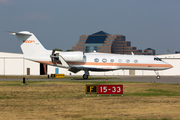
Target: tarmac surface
{"points": [[148, 79]]}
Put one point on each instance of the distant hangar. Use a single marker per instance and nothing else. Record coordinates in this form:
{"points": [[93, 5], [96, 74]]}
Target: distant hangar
{"points": [[15, 64]]}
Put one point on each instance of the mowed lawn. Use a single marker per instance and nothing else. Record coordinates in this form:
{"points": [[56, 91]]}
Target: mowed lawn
{"points": [[67, 100]]}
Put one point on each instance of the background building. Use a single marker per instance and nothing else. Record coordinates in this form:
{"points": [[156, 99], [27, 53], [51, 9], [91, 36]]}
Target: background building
{"points": [[149, 51], [15, 64], [107, 43]]}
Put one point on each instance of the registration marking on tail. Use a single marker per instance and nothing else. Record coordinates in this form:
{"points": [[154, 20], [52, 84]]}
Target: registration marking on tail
{"points": [[28, 41]]}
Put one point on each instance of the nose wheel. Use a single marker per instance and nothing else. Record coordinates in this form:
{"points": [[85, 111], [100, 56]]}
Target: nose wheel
{"points": [[158, 76]]}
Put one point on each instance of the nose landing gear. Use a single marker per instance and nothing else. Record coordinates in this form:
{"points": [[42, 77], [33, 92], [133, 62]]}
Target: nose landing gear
{"points": [[158, 76]]}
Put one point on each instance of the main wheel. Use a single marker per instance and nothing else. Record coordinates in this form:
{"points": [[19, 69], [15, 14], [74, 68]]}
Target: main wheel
{"points": [[85, 76], [158, 77]]}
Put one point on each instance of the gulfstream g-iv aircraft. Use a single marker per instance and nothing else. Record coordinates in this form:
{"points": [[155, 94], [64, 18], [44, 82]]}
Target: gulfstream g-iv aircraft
{"points": [[76, 61]]}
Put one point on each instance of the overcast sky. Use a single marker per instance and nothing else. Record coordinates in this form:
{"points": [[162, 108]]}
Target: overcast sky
{"points": [[59, 23]]}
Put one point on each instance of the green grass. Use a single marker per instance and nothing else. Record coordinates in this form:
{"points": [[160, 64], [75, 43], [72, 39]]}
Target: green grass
{"points": [[45, 77], [19, 76], [20, 83], [153, 119], [67, 100], [153, 94], [130, 88]]}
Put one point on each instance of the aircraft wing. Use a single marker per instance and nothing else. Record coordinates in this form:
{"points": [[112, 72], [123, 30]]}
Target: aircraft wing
{"points": [[74, 69], [98, 69], [77, 69]]}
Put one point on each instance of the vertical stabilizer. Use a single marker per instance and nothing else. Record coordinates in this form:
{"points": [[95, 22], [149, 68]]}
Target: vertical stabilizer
{"points": [[29, 44]]}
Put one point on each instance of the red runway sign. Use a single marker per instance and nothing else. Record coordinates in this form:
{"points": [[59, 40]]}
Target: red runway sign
{"points": [[110, 89]]}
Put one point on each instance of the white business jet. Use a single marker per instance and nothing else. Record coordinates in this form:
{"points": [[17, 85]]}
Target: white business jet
{"points": [[76, 61]]}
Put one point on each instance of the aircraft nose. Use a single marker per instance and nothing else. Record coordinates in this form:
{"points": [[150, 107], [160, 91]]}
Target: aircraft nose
{"points": [[169, 66]]}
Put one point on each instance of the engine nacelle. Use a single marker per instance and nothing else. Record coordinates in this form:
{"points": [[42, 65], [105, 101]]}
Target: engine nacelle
{"points": [[76, 56]]}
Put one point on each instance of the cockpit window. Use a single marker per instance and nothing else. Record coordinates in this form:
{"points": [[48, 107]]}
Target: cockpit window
{"points": [[157, 59]]}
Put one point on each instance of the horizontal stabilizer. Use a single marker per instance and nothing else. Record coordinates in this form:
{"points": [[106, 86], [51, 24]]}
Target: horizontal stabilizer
{"points": [[21, 33]]}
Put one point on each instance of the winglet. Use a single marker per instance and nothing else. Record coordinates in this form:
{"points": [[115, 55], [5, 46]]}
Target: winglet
{"points": [[132, 53]]}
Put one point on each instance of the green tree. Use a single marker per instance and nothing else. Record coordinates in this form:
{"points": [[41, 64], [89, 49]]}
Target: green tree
{"points": [[69, 50], [58, 49]]}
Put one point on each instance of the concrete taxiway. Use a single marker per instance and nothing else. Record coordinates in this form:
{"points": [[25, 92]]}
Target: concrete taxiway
{"points": [[148, 79]]}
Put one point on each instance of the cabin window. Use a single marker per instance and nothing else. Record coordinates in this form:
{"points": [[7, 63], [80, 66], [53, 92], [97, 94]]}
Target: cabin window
{"points": [[135, 61], [96, 60], [119, 60], [104, 60], [112, 60], [127, 60]]}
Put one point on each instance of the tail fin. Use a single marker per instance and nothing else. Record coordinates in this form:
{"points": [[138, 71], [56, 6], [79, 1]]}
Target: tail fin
{"points": [[30, 45]]}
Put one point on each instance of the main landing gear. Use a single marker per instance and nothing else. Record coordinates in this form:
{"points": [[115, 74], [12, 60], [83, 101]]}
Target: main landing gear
{"points": [[158, 76], [86, 74]]}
